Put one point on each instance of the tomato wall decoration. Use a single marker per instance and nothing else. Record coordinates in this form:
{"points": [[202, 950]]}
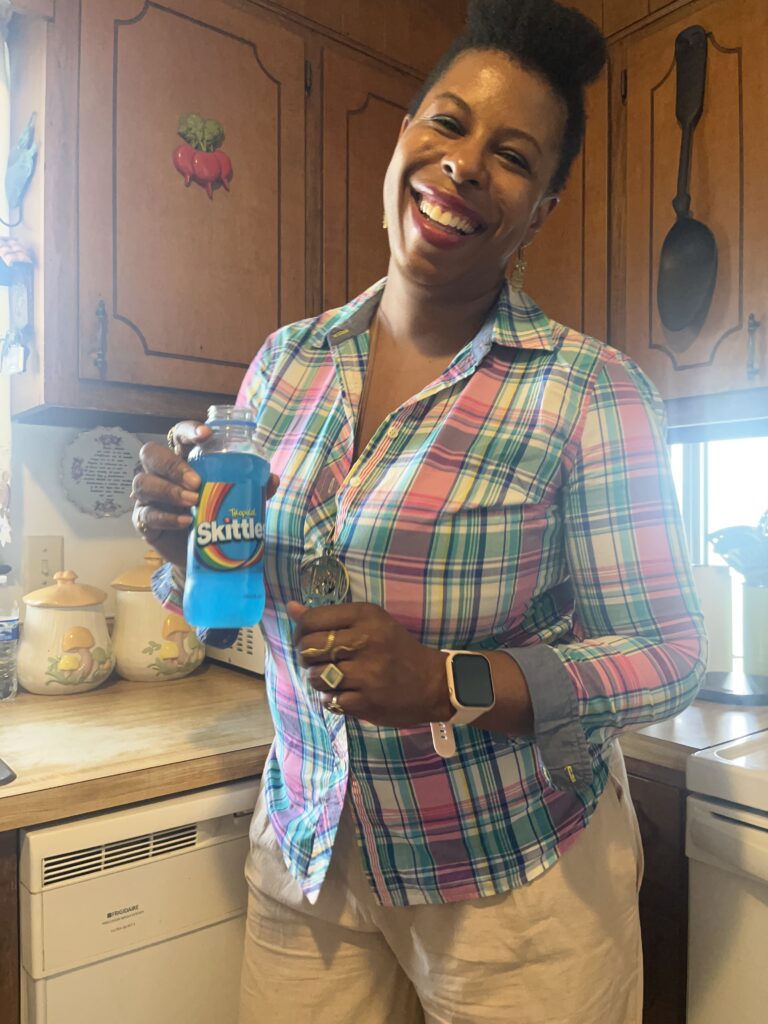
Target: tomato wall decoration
{"points": [[199, 158]]}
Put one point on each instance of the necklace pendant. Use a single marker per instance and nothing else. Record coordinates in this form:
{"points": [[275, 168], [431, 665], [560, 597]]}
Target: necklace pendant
{"points": [[324, 580]]}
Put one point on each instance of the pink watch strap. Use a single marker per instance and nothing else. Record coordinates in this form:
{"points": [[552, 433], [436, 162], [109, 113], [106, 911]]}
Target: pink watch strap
{"points": [[443, 739]]}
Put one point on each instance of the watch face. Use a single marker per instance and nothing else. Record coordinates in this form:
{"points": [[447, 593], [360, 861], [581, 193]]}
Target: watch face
{"points": [[472, 680]]}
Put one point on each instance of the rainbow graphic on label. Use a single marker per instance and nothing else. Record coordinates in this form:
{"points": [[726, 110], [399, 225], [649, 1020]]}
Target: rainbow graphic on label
{"points": [[215, 532]]}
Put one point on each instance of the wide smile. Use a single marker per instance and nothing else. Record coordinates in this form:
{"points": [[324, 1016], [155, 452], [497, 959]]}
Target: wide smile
{"points": [[441, 222]]}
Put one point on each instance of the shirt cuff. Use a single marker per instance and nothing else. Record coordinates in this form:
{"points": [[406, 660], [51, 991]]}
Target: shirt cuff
{"points": [[557, 727], [168, 588]]}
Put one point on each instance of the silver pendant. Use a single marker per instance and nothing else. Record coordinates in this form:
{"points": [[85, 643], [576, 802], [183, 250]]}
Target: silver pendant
{"points": [[324, 580]]}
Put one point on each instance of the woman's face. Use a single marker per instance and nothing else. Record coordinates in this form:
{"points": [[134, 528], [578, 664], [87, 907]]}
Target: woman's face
{"points": [[468, 181]]}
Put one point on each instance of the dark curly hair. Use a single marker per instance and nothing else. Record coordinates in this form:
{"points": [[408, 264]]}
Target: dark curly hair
{"points": [[557, 42]]}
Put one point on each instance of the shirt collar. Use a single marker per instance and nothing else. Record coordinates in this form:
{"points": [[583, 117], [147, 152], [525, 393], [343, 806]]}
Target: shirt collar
{"points": [[514, 322]]}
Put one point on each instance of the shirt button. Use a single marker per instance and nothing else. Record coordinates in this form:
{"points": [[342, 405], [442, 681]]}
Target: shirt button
{"points": [[355, 481], [393, 432]]}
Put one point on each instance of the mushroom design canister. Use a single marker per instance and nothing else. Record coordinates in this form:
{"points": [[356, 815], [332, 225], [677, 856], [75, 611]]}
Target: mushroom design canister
{"points": [[150, 642], [65, 645]]}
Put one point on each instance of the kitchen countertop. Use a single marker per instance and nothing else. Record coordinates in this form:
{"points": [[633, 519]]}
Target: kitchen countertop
{"points": [[128, 741], [703, 724]]}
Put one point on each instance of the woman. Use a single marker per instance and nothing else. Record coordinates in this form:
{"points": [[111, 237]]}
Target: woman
{"points": [[492, 482]]}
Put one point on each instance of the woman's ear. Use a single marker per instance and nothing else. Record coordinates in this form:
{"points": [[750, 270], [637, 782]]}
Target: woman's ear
{"points": [[540, 217], [404, 125]]}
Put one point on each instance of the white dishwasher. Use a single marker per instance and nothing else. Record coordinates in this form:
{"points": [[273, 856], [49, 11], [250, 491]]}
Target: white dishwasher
{"points": [[727, 847], [137, 916]]}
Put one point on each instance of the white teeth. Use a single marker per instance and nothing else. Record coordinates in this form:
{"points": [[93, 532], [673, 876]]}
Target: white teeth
{"points": [[445, 217]]}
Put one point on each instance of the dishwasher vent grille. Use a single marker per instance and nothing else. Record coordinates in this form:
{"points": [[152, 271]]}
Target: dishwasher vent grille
{"points": [[245, 643], [62, 867]]}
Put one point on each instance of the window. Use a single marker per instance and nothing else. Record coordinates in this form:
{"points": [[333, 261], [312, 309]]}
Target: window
{"points": [[719, 484]]}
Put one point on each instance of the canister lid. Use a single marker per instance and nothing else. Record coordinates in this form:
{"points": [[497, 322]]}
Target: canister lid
{"points": [[65, 593], [139, 577]]}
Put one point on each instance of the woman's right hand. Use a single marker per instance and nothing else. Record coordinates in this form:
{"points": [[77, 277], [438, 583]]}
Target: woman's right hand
{"points": [[166, 490]]}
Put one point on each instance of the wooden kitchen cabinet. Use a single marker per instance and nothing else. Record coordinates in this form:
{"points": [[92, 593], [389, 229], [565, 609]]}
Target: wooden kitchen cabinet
{"points": [[363, 109], [618, 14], [153, 289], [659, 799], [724, 361], [567, 271]]}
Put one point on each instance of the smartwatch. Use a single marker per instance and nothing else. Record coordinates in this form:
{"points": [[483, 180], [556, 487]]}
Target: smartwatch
{"points": [[470, 689]]}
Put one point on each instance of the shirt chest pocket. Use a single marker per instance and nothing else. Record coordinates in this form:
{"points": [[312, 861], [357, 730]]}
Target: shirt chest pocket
{"points": [[484, 526]]}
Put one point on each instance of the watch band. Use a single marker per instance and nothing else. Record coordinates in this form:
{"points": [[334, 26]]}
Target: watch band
{"points": [[443, 738]]}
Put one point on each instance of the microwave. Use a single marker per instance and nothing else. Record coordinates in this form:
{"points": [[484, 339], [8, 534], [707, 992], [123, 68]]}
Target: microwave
{"points": [[247, 651]]}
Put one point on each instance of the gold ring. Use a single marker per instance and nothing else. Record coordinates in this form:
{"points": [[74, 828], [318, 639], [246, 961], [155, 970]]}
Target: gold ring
{"points": [[350, 648], [334, 707], [318, 652], [171, 440], [332, 676], [142, 525]]}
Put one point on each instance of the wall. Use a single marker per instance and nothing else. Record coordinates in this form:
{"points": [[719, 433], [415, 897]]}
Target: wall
{"points": [[96, 549]]}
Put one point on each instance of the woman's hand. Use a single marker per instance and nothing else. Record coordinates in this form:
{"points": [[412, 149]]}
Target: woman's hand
{"points": [[389, 677], [167, 488]]}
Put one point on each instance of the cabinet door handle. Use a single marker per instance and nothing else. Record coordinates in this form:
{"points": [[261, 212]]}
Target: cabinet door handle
{"points": [[753, 325], [99, 354]]}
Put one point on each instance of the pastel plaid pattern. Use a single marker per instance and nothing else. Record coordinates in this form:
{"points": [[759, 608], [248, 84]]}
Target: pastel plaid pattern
{"points": [[522, 501]]}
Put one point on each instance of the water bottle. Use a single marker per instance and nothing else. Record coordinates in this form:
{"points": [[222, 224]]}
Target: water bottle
{"points": [[224, 587], [9, 635]]}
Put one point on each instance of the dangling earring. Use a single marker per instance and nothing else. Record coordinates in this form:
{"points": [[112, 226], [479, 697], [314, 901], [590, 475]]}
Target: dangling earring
{"points": [[384, 221], [517, 277]]}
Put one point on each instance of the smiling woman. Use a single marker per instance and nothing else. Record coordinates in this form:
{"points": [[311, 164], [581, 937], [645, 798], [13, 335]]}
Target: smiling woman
{"points": [[473, 170], [444, 832]]}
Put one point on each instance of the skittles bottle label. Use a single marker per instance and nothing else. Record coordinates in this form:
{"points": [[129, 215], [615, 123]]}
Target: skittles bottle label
{"points": [[228, 535]]}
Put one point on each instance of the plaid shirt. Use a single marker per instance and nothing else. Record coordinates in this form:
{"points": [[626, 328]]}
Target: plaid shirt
{"points": [[521, 502]]}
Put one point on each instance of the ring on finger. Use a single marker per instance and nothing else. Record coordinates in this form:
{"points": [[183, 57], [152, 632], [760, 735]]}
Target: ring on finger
{"points": [[350, 648], [334, 707], [141, 521], [319, 652], [332, 676]]}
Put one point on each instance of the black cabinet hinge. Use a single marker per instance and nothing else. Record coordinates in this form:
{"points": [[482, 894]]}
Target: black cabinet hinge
{"points": [[624, 85], [307, 77]]}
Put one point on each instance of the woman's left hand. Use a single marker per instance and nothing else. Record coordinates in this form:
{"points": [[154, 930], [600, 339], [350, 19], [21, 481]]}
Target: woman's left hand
{"points": [[389, 678]]}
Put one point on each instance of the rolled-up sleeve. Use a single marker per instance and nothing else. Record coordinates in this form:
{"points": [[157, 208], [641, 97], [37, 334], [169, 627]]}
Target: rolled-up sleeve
{"points": [[636, 652]]}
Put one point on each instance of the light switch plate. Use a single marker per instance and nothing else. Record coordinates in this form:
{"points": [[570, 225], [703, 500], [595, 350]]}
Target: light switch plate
{"points": [[43, 556]]}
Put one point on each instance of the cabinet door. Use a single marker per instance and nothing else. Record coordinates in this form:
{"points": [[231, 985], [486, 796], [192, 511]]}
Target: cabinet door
{"points": [[363, 108], [177, 289], [568, 260], [727, 194], [663, 899], [9, 933]]}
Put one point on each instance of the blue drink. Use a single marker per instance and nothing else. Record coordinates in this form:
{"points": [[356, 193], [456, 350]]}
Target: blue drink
{"points": [[225, 583]]}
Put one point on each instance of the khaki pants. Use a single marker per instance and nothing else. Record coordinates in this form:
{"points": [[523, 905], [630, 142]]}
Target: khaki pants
{"points": [[563, 950]]}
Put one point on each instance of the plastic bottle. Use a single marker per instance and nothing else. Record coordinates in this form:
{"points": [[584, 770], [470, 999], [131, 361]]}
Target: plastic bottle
{"points": [[9, 635], [225, 583]]}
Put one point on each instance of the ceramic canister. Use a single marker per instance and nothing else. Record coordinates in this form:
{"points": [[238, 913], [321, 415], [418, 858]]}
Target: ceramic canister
{"points": [[65, 645], [149, 641]]}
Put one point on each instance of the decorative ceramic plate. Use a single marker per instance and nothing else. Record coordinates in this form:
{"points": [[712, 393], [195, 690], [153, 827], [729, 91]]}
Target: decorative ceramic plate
{"points": [[98, 469]]}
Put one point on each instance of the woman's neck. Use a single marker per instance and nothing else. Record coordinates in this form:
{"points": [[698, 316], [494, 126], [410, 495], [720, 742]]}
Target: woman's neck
{"points": [[435, 321]]}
